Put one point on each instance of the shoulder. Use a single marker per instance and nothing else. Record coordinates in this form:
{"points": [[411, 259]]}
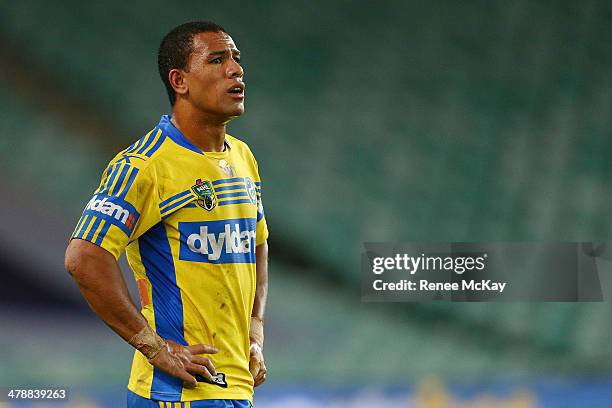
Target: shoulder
{"points": [[143, 153]]}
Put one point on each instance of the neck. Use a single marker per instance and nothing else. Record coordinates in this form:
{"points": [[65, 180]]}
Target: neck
{"points": [[207, 133]]}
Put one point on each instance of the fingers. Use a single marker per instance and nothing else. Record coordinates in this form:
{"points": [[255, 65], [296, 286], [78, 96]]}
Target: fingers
{"points": [[254, 366], [255, 372], [175, 367], [184, 363], [203, 361], [189, 380], [177, 361], [257, 367], [202, 349], [198, 369], [261, 376], [260, 380]]}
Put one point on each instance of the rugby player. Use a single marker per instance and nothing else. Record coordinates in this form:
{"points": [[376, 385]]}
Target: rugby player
{"points": [[184, 203]]}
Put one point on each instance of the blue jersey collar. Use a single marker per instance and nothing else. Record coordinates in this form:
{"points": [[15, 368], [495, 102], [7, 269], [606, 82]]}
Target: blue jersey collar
{"points": [[178, 138]]}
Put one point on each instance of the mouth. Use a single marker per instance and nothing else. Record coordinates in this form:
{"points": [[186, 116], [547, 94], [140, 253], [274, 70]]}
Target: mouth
{"points": [[236, 91]]}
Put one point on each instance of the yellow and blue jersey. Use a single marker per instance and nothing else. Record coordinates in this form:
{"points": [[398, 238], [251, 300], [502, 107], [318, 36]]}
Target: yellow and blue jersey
{"points": [[189, 223]]}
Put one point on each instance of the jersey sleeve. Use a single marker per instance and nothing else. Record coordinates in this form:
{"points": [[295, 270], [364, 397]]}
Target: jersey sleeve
{"points": [[261, 233], [262, 227], [125, 206]]}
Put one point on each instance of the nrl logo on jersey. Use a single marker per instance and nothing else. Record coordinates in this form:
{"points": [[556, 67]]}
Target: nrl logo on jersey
{"points": [[205, 193]]}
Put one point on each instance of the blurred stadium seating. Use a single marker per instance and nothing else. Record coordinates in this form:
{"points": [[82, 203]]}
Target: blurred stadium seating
{"points": [[447, 121]]}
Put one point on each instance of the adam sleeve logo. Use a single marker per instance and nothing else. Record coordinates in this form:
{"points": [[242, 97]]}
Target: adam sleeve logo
{"points": [[114, 210], [218, 242]]}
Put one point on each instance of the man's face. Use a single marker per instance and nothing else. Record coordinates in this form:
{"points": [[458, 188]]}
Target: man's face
{"points": [[214, 76]]}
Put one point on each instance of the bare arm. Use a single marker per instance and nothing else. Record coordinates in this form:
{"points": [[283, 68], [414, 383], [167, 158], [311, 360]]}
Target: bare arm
{"points": [[261, 292], [101, 282], [257, 366]]}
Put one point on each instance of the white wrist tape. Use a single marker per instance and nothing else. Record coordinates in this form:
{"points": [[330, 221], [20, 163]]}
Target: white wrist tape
{"points": [[256, 333]]}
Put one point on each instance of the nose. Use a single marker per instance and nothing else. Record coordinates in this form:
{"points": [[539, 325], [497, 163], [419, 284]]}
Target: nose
{"points": [[234, 69]]}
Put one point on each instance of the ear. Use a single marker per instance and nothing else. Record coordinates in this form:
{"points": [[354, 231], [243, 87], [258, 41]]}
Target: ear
{"points": [[178, 82]]}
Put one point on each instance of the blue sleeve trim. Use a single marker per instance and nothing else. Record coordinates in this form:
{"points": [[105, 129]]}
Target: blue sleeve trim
{"points": [[157, 145], [128, 185], [229, 180], [148, 139], [227, 195], [103, 232], [225, 188], [112, 171], [174, 197], [166, 211], [235, 202]]}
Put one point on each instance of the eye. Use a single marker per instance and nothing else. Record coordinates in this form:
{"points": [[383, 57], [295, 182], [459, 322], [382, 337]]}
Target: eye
{"points": [[216, 60], [237, 59]]}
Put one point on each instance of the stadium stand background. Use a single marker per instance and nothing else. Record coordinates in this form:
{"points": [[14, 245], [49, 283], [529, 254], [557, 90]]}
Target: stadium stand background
{"points": [[443, 121]]}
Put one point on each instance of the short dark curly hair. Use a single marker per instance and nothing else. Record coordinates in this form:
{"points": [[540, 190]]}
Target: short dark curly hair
{"points": [[176, 48]]}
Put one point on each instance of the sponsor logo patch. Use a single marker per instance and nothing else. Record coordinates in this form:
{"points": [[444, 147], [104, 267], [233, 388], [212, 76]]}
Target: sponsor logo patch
{"points": [[115, 210], [218, 242]]}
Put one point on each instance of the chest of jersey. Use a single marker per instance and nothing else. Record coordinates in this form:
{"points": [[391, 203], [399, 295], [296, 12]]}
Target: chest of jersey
{"points": [[211, 208]]}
